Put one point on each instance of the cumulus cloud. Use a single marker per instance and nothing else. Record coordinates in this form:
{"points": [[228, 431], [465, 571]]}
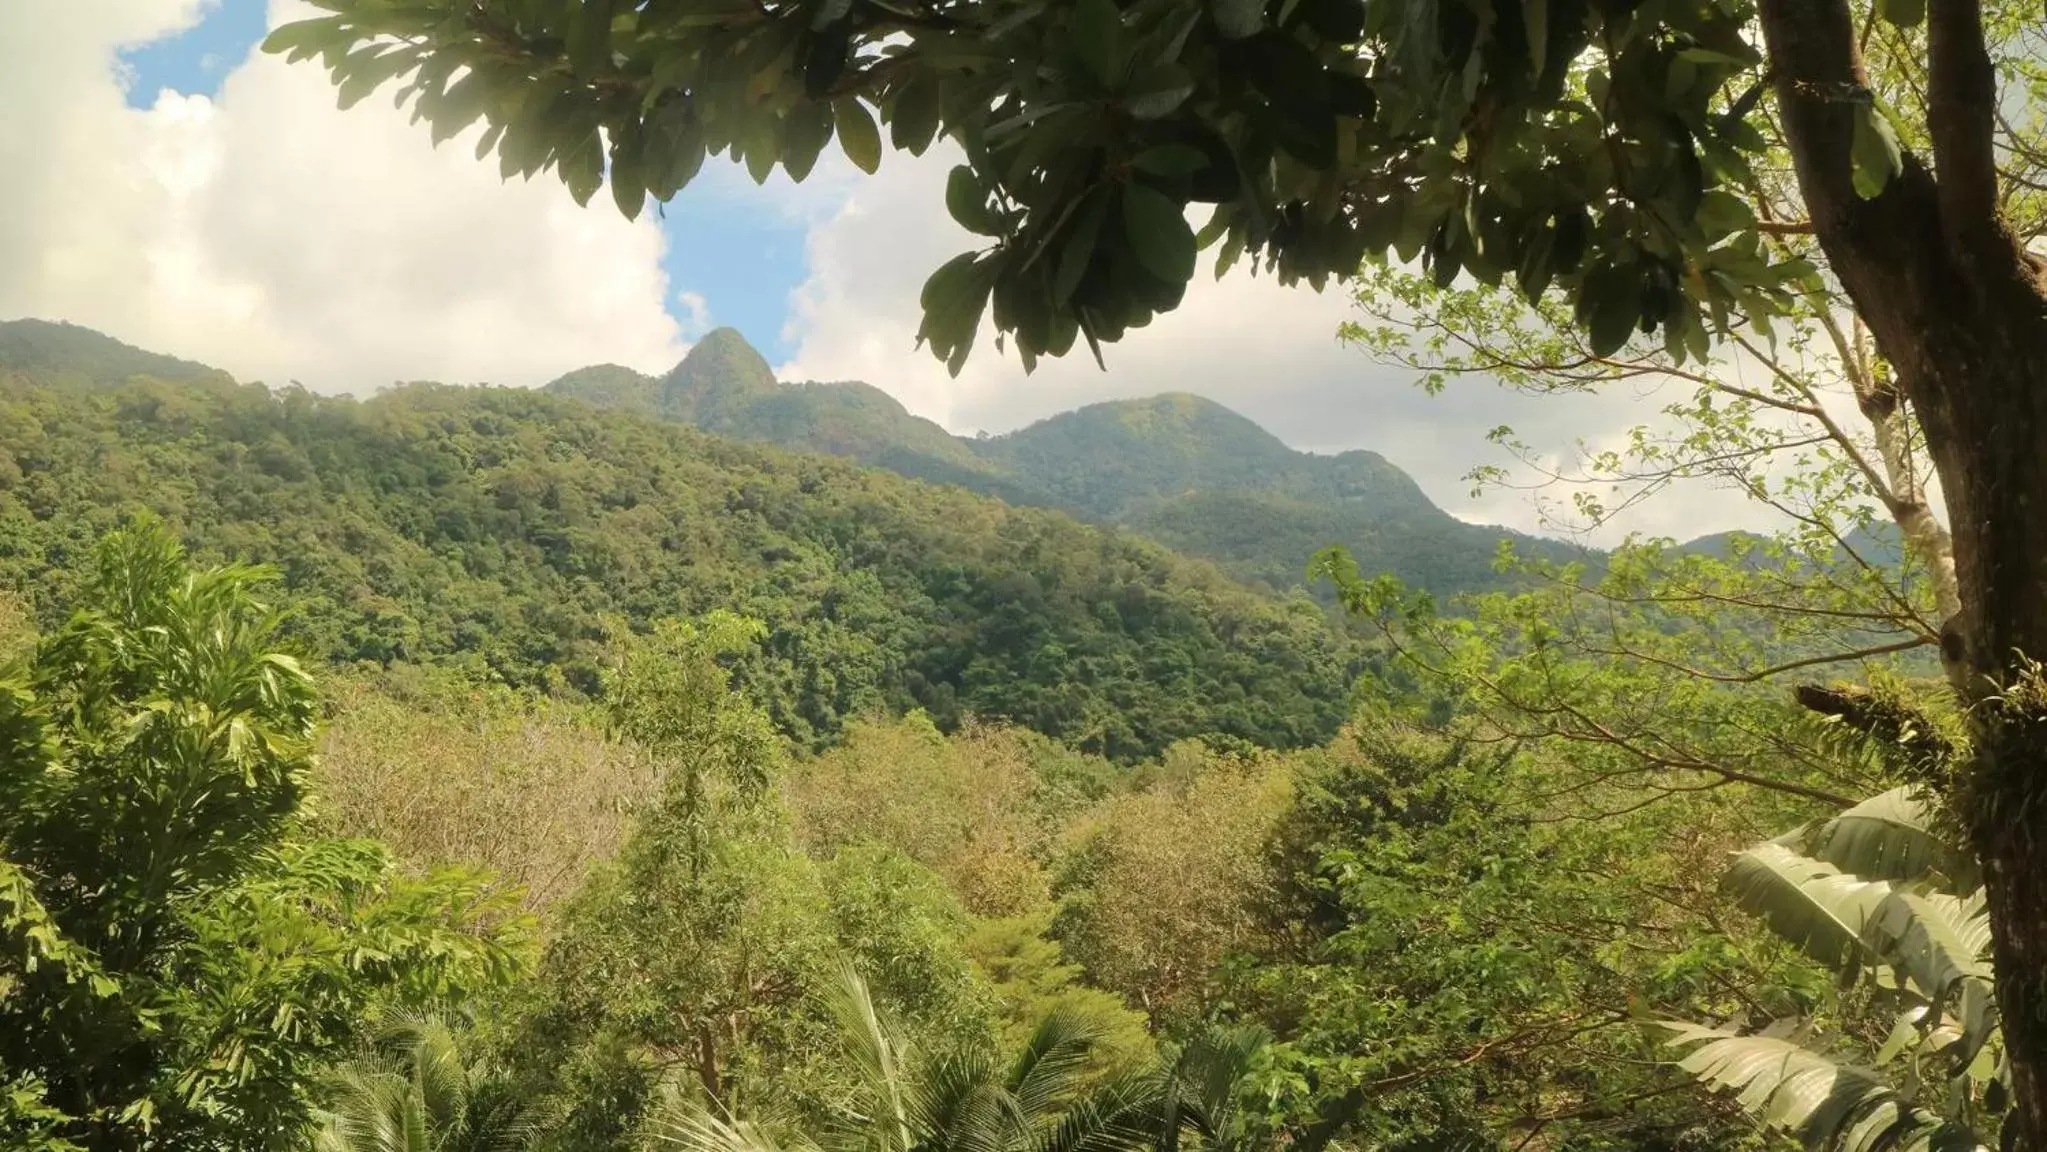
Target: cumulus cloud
{"points": [[273, 235], [1267, 351]]}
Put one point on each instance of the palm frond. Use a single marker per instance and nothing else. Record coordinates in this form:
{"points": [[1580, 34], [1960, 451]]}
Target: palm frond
{"points": [[1051, 1062], [1215, 1063], [368, 1110], [696, 1130], [957, 1106], [1810, 903], [879, 1052], [1825, 1104], [1122, 1114], [1941, 944]]}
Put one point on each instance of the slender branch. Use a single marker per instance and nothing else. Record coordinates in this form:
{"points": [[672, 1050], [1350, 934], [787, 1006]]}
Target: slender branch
{"points": [[1623, 652]]}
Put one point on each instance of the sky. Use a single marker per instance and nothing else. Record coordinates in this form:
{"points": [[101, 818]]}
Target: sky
{"points": [[165, 183]]}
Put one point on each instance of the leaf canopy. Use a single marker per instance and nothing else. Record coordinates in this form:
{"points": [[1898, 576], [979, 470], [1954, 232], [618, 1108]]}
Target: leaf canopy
{"points": [[1489, 140]]}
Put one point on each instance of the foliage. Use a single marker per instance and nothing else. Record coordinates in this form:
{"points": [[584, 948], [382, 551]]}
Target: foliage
{"points": [[1158, 886], [1550, 143], [1870, 904], [1029, 980], [71, 356], [974, 808], [450, 772], [1449, 952], [417, 1089], [906, 1098], [178, 956], [686, 968], [496, 530]]}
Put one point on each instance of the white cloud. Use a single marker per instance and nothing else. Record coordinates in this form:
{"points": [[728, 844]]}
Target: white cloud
{"points": [[1267, 351], [278, 237]]}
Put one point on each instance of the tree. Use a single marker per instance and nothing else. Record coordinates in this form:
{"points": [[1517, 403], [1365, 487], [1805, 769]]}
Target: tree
{"points": [[1571, 145], [177, 956], [1160, 885], [687, 966]]}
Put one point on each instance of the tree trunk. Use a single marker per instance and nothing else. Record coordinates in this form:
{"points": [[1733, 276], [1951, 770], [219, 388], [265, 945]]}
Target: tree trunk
{"points": [[1959, 308]]}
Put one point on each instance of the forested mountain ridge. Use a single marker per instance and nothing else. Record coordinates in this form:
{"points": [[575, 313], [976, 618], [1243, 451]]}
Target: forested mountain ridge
{"points": [[1177, 467], [499, 529], [59, 353]]}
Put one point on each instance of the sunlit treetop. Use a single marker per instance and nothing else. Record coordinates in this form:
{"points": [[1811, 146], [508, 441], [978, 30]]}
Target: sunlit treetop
{"points": [[1598, 146]]}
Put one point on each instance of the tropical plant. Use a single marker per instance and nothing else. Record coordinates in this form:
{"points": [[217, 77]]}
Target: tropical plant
{"points": [[907, 1099], [416, 1089], [177, 957], [1879, 895]]}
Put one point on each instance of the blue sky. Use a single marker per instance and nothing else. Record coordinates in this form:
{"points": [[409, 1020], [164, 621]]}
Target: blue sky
{"points": [[742, 263]]}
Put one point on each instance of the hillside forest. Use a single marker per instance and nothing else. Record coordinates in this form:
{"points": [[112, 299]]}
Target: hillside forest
{"points": [[706, 762], [483, 768]]}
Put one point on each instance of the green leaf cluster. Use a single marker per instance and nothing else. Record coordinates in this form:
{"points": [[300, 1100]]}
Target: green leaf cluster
{"points": [[178, 955], [1538, 142]]}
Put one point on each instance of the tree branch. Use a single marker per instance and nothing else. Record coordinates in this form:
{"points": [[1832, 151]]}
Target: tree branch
{"points": [[1961, 102]]}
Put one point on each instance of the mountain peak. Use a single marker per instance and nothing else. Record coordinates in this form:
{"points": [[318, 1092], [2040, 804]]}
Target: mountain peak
{"points": [[720, 369]]}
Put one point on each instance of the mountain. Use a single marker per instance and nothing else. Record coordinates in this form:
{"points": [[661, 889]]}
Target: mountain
{"points": [[498, 531], [58, 353], [1179, 468]]}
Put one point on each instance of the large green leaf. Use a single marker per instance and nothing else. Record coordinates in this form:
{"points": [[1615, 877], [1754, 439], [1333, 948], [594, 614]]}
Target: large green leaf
{"points": [[1159, 234], [1891, 836], [1814, 905], [1824, 1103]]}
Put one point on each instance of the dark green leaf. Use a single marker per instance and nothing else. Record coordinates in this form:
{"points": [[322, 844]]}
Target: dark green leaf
{"points": [[805, 132], [761, 142], [1238, 19], [628, 172], [858, 136], [1609, 305], [1158, 91], [1170, 160], [458, 106], [825, 57], [674, 148], [1722, 213], [1874, 153], [303, 38], [590, 38], [1078, 247], [967, 202], [366, 69], [1096, 36], [1574, 227], [1158, 233], [582, 164], [1535, 21], [1337, 21], [1903, 13], [913, 115]]}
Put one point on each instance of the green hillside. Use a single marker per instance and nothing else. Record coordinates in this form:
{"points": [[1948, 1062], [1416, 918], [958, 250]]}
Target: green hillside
{"points": [[495, 529], [60, 353], [1177, 467]]}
